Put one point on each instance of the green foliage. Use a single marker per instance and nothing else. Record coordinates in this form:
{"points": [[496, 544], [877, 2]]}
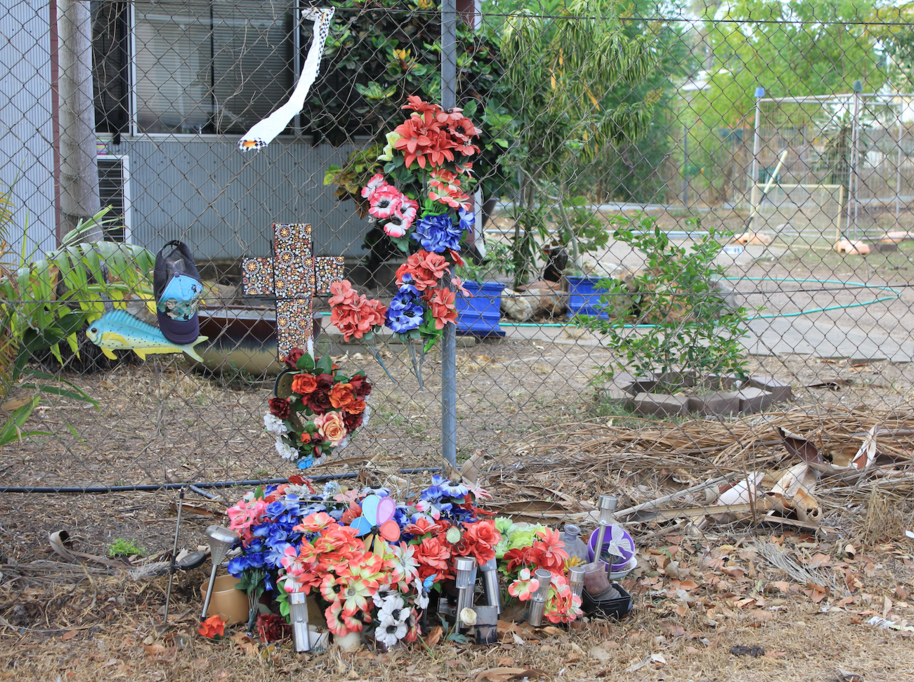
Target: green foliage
{"points": [[497, 262], [570, 83], [685, 321], [809, 47], [52, 297], [125, 548]]}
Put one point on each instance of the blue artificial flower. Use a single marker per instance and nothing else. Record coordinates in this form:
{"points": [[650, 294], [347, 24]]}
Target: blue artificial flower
{"points": [[275, 554], [405, 312], [452, 489], [436, 233], [336, 514], [305, 462], [331, 488], [467, 219]]}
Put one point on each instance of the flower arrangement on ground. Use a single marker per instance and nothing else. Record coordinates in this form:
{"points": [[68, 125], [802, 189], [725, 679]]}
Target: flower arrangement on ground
{"points": [[422, 201], [524, 549], [319, 410], [368, 559]]}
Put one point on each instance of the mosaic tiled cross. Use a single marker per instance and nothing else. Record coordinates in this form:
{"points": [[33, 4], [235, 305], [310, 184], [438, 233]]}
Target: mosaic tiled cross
{"points": [[294, 275]]}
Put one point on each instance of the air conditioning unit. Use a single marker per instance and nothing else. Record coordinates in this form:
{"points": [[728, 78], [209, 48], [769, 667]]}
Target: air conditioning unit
{"points": [[114, 191]]}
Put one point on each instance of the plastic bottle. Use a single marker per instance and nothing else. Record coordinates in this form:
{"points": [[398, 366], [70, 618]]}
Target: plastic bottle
{"points": [[574, 545]]}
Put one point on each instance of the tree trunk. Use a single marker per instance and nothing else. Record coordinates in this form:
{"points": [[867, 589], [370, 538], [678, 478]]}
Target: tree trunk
{"points": [[79, 199]]}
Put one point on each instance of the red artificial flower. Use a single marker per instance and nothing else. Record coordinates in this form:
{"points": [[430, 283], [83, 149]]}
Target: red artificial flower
{"points": [[301, 480], [212, 627], [446, 189], [377, 182], [422, 526], [402, 217], [433, 555], [358, 318], [279, 408], [271, 627], [360, 386], [352, 421], [292, 358], [518, 559], [479, 540], [442, 303], [550, 552]]}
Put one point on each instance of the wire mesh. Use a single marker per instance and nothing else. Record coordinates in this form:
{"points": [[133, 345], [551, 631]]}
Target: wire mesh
{"points": [[594, 124]]}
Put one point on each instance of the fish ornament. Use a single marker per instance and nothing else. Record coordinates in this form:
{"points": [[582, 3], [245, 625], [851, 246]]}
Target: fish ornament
{"points": [[119, 330]]}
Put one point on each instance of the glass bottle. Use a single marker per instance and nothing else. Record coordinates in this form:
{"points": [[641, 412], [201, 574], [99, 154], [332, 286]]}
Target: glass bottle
{"points": [[575, 546]]}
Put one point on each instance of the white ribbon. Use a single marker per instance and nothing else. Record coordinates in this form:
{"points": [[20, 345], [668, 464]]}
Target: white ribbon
{"points": [[266, 130]]}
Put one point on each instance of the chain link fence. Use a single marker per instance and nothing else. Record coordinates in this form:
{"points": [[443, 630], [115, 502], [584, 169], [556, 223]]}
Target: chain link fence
{"points": [[740, 184]]}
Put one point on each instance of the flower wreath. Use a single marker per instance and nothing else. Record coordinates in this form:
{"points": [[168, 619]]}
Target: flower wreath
{"points": [[315, 409]]}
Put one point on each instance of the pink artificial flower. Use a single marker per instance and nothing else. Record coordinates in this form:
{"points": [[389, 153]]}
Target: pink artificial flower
{"points": [[403, 216], [314, 523], [358, 318], [525, 586], [342, 294], [446, 189], [376, 183], [331, 427], [384, 201], [242, 516]]}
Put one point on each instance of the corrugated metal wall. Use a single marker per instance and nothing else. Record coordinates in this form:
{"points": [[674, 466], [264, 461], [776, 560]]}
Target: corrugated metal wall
{"points": [[222, 202], [26, 130]]}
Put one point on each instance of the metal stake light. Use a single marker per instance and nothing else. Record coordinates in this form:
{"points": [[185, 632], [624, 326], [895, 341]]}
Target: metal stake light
{"points": [[490, 578], [298, 610], [466, 581], [607, 505], [538, 603], [220, 540]]}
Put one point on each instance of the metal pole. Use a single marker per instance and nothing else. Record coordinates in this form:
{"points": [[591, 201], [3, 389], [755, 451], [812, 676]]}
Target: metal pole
{"points": [[685, 165], [852, 171], [449, 340], [756, 144], [898, 167]]}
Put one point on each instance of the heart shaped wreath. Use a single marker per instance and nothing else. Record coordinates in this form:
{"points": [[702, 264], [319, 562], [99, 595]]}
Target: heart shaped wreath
{"points": [[315, 409]]}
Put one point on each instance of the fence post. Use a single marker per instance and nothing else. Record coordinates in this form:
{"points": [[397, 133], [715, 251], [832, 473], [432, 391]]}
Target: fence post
{"points": [[449, 340], [79, 197], [756, 145]]}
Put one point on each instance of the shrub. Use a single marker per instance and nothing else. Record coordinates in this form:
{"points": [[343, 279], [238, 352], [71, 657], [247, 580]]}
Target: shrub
{"points": [[684, 319]]}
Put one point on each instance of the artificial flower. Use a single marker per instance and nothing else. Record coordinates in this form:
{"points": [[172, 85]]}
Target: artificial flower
{"points": [[292, 358], [402, 218], [387, 154], [279, 408], [271, 627], [274, 425], [341, 395], [438, 233], [304, 384], [342, 293], [384, 201], [446, 189], [331, 427], [389, 631], [285, 450], [377, 182], [405, 312], [243, 515], [550, 553], [212, 627], [525, 586]]}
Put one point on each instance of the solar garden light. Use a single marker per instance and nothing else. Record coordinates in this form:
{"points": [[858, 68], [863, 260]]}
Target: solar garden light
{"points": [[298, 610], [220, 540], [538, 603], [490, 578], [576, 580], [466, 581], [607, 506]]}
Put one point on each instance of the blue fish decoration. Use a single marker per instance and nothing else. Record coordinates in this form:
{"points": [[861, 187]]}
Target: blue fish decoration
{"points": [[119, 330]]}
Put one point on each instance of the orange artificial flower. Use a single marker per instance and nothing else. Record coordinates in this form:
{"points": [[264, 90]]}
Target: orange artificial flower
{"points": [[212, 627], [355, 407], [341, 395], [306, 437], [304, 384]]}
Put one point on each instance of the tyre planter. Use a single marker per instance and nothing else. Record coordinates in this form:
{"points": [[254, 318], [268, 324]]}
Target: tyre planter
{"points": [[479, 314], [584, 297]]}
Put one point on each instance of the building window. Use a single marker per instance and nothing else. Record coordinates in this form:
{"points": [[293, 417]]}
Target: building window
{"points": [[210, 66]]}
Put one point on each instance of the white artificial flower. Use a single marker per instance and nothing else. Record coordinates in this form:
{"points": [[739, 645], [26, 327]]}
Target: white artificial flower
{"points": [[390, 632], [286, 451], [366, 415], [392, 604], [383, 593], [468, 617], [274, 425], [422, 599]]}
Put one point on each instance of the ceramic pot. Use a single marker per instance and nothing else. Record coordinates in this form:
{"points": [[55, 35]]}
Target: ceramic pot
{"points": [[226, 601], [348, 642]]}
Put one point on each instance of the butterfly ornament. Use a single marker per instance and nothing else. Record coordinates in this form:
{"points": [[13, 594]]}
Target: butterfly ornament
{"points": [[378, 517]]}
